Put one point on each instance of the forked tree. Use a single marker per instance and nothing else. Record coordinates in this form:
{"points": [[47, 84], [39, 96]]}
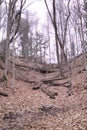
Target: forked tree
{"points": [[12, 17], [60, 42]]}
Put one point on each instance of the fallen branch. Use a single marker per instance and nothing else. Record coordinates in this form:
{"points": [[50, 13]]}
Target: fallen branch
{"points": [[3, 94], [51, 82], [36, 87], [53, 79], [49, 93]]}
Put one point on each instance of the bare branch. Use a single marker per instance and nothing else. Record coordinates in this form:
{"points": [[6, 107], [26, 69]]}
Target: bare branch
{"points": [[66, 23]]}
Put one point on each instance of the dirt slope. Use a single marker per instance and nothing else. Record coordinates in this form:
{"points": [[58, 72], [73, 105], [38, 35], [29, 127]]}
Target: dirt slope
{"points": [[30, 109]]}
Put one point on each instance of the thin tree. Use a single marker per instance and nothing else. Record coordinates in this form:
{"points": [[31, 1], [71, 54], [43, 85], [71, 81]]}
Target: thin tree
{"points": [[57, 37], [10, 24]]}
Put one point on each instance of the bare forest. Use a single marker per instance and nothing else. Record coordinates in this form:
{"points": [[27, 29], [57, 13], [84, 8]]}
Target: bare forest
{"points": [[43, 64]]}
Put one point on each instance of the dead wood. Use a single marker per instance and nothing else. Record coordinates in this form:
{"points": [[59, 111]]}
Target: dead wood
{"points": [[64, 84], [24, 79], [50, 110], [3, 94], [42, 69], [21, 78], [45, 108], [67, 84], [85, 108], [51, 82], [53, 79], [36, 87], [49, 93]]}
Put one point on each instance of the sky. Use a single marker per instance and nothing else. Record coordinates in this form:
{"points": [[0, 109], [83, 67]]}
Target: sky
{"points": [[35, 6], [38, 7]]}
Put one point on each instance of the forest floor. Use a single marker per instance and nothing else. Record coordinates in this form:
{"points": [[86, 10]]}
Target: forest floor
{"points": [[29, 105]]}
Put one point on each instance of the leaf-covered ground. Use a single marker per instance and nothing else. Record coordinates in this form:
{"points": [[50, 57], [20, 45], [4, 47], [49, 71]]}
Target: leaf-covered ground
{"points": [[29, 109]]}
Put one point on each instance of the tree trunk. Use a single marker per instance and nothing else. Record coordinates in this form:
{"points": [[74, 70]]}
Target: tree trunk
{"points": [[8, 39]]}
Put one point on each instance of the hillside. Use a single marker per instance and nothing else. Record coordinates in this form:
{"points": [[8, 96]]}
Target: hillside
{"points": [[42, 100]]}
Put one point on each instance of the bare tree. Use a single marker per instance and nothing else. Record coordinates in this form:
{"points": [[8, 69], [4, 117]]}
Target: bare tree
{"points": [[1, 1], [58, 39], [12, 17], [24, 28]]}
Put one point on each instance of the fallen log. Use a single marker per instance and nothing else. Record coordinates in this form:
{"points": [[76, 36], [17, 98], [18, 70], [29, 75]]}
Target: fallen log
{"points": [[51, 82], [49, 93], [24, 79], [24, 67], [36, 87], [67, 84], [3, 94], [53, 79]]}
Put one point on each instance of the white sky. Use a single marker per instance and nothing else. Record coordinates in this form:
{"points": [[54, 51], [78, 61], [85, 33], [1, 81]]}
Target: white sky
{"points": [[38, 7]]}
